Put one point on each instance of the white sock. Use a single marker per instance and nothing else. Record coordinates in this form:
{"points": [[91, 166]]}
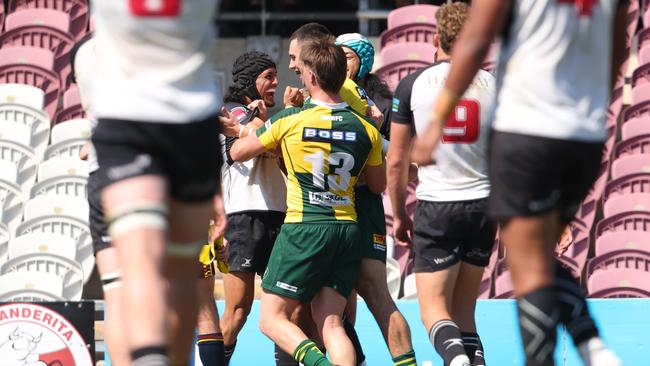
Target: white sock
{"points": [[460, 360]]}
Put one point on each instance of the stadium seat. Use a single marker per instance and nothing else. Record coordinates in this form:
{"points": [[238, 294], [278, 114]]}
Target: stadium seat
{"points": [[11, 197], [70, 113], [38, 16], [71, 97], [70, 130], [630, 164], [619, 283], [622, 240], [37, 121], [24, 159], [72, 185], [402, 59], [412, 14], [621, 259], [503, 288], [62, 166], [641, 84], [2, 15], [43, 243], [644, 45], [627, 193], [417, 32], [5, 236], [15, 132], [588, 209], [70, 271], [393, 277], [77, 9], [26, 95], [615, 104], [56, 205], [636, 120], [410, 288], [66, 148], [626, 221], [30, 286], [27, 55], [633, 146], [45, 79]]}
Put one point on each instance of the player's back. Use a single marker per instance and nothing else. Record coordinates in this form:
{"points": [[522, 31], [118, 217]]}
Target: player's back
{"points": [[325, 148], [155, 60], [554, 69]]}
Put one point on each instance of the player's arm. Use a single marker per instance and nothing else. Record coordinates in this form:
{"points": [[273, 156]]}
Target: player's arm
{"points": [[398, 167], [486, 19], [375, 169], [618, 40], [246, 148]]}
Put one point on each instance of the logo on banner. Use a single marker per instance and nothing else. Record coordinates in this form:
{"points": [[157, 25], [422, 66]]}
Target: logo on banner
{"points": [[33, 335]]}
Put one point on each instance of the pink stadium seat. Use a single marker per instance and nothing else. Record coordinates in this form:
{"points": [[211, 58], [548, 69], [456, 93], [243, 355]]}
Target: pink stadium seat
{"points": [[628, 193], [621, 259], [622, 240], [71, 97], [641, 84], [46, 80], [633, 146], [632, 20], [503, 288], [412, 14], [636, 120], [55, 40], [419, 32], [630, 164], [626, 221], [27, 56], [41, 17], [644, 45], [70, 113], [78, 11], [587, 210], [619, 283], [402, 59], [575, 257], [616, 104], [2, 15]]}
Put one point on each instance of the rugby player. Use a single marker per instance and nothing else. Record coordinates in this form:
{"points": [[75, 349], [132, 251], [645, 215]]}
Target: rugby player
{"points": [[557, 65], [317, 255], [155, 98], [452, 236]]}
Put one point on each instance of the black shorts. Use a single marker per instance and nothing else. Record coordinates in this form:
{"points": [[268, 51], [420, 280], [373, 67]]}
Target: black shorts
{"points": [[98, 227], [188, 155], [445, 233], [533, 175], [251, 236]]}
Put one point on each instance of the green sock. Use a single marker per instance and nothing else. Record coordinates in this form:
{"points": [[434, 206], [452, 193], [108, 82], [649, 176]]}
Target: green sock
{"points": [[308, 354], [407, 359]]}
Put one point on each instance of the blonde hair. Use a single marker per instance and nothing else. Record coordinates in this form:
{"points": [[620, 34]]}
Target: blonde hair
{"points": [[450, 19]]}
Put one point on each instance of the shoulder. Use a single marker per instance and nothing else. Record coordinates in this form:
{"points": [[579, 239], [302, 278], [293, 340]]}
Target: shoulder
{"points": [[290, 112]]}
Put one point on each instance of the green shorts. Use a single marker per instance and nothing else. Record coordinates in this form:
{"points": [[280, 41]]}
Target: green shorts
{"points": [[372, 223], [309, 256]]}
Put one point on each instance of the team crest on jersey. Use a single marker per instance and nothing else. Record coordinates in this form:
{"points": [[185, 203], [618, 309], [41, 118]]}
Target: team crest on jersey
{"points": [[33, 335], [325, 135], [379, 242], [362, 93], [240, 113], [395, 104]]}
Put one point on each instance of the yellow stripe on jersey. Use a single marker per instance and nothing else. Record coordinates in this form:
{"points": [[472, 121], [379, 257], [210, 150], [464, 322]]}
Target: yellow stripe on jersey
{"points": [[354, 96], [324, 148]]}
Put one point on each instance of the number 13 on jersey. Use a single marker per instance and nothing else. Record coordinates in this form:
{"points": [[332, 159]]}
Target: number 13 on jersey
{"points": [[155, 8]]}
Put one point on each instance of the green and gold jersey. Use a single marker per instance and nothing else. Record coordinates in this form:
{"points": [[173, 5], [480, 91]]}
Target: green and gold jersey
{"points": [[354, 96], [325, 147]]}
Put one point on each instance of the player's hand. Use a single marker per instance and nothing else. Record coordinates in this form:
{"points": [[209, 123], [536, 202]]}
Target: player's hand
{"points": [[375, 114], [261, 108], [293, 97], [565, 241], [229, 124], [403, 231], [222, 252], [220, 219], [425, 144], [85, 149]]}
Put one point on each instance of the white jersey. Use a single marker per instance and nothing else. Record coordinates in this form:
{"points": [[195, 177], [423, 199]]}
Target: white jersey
{"points": [[254, 185], [460, 171], [154, 64], [553, 72], [84, 67]]}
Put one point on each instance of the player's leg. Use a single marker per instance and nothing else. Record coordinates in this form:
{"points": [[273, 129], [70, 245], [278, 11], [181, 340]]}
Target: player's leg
{"points": [[327, 307], [239, 290], [349, 319], [464, 307], [210, 338], [372, 286]]}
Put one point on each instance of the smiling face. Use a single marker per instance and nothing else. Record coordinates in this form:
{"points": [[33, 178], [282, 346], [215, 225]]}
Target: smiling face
{"points": [[353, 63], [266, 83], [294, 53]]}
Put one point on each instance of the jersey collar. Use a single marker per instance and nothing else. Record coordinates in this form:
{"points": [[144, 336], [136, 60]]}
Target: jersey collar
{"points": [[341, 105]]}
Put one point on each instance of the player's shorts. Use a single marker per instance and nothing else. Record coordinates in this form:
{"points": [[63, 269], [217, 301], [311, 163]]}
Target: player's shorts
{"points": [[445, 233], [309, 256], [188, 155], [533, 175], [98, 228], [371, 222], [251, 236]]}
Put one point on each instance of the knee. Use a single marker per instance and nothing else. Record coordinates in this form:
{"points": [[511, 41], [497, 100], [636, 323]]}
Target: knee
{"points": [[240, 313], [375, 294]]}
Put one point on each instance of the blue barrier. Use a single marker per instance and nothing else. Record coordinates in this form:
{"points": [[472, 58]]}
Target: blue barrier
{"points": [[624, 324]]}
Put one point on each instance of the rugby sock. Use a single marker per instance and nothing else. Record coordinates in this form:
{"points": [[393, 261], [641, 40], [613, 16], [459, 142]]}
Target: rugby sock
{"points": [[352, 334], [211, 349], [574, 313], [308, 354], [150, 356], [473, 348], [538, 319], [407, 359], [228, 350], [448, 342], [282, 358]]}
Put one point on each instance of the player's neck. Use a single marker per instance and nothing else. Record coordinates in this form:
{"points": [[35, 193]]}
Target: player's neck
{"points": [[323, 96], [442, 55]]}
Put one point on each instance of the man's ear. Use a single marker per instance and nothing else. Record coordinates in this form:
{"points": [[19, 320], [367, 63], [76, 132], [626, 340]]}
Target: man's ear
{"points": [[436, 40]]}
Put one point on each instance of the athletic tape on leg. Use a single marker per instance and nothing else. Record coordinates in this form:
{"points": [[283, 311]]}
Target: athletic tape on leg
{"points": [[111, 280], [137, 215], [189, 251]]}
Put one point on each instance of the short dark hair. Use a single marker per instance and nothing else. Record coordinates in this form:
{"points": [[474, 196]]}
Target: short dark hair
{"points": [[311, 31], [327, 61]]}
